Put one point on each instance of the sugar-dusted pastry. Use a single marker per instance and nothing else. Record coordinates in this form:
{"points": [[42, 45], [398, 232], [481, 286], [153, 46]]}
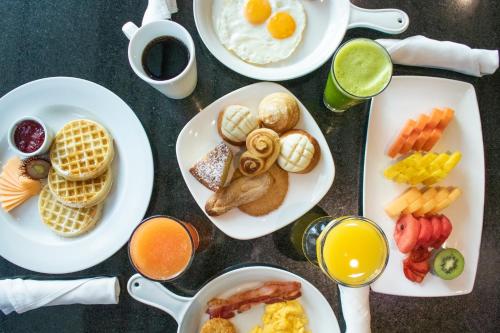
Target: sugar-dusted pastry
{"points": [[299, 152], [213, 168], [273, 198], [243, 190], [263, 148], [279, 112], [235, 122]]}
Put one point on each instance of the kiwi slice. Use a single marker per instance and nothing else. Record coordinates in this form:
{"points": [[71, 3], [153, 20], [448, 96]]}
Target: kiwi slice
{"points": [[448, 264], [35, 167]]}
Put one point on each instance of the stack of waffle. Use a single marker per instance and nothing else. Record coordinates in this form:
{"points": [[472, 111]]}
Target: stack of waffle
{"points": [[80, 179]]}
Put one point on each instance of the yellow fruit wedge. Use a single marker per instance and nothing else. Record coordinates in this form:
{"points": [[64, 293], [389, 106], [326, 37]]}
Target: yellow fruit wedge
{"points": [[426, 201], [427, 169]]}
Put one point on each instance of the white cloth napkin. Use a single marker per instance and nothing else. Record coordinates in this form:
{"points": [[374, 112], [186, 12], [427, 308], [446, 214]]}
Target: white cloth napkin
{"points": [[424, 52], [24, 295], [356, 309], [159, 10]]}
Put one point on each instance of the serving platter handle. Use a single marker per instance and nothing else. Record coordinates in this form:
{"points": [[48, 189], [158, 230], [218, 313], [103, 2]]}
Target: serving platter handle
{"points": [[390, 20], [154, 294]]}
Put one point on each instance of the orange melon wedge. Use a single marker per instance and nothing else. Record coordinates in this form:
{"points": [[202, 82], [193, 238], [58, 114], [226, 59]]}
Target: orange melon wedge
{"points": [[400, 140], [447, 118], [15, 188], [433, 139]]}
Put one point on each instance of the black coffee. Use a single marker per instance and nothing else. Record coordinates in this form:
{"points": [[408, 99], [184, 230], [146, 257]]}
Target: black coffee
{"points": [[164, 58]]}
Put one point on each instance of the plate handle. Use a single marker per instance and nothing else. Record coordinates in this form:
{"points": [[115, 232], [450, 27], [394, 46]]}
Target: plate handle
{"points": [[154, 294], [390, 20]]}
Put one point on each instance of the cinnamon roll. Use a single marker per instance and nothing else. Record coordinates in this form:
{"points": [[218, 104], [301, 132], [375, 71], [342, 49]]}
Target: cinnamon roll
{"points": [[263, 148]]}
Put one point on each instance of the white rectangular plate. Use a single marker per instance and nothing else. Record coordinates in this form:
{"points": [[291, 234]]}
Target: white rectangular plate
{"points": [[199, 136], [407, 97]]}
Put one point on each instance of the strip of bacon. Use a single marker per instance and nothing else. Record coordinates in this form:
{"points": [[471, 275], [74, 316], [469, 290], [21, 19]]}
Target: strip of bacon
{"points": [[267, 293]]}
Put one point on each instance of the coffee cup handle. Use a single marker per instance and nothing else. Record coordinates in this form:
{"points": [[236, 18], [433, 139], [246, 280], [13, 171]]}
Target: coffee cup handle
{"points": [[129, 29]]}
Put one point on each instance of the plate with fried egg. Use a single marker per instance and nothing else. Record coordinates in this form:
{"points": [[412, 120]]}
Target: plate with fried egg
{"points": [[276, 40]]}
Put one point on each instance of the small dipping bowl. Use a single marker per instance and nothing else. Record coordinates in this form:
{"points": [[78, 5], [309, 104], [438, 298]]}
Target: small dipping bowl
{"points": [[42, 149]]}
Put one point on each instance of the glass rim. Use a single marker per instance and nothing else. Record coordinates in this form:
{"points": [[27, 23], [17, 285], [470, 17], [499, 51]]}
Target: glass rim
{"points": [[335, 222], [332, 71], [180, 273]]}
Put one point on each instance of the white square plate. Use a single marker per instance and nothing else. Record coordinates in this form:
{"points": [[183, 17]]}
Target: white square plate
{"points": [[407, 97], [200, 135]]}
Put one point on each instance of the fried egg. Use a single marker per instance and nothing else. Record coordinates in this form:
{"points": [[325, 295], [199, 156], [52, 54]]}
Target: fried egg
{"points": [[259, 31]]}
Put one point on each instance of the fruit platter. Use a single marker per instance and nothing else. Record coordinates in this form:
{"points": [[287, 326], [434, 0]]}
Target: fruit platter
{"points": [[423, 184]]}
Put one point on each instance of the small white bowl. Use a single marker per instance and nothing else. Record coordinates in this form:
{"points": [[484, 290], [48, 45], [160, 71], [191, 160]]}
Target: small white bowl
{"points": [[46, 142]]}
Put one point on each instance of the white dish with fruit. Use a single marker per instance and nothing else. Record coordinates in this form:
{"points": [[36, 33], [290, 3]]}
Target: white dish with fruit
{"points": [[428, 195]]}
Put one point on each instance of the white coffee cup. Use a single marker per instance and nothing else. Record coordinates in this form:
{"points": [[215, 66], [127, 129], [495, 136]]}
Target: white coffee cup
{"points": [[177, 87]]}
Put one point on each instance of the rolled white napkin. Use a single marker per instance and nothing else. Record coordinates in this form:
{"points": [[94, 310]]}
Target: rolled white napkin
{"points": [[356, 309], [159, 10], [24, 295], [424, 52]]}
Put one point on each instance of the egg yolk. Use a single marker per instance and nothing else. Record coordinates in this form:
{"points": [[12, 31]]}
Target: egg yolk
{"points": [[281, 25], [257, 11]]}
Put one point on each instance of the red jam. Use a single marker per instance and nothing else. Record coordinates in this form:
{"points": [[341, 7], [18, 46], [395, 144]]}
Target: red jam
{"points": [[29, 136]]}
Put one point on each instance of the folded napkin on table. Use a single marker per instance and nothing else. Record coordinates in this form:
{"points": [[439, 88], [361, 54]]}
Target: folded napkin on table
{"points": [[24, 295], [356, 309], [424, 52], [159, 10]]}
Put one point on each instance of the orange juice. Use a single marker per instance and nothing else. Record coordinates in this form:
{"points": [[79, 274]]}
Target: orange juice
{"points": [[352, 251], [161, 248]]}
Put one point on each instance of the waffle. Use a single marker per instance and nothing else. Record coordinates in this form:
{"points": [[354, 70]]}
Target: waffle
{"points": [[63, 220], [80, 193], [81, 150]]}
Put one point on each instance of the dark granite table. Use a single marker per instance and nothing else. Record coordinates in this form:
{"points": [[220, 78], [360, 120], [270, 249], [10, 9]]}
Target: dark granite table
{"points": [[83, 39]]}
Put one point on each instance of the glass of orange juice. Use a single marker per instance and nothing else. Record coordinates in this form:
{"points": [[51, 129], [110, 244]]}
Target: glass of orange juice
{"points": [[161, 248], [351, 250]]}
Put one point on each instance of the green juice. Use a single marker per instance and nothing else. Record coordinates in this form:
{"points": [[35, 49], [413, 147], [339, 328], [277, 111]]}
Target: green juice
{"points": [[361, 69]]}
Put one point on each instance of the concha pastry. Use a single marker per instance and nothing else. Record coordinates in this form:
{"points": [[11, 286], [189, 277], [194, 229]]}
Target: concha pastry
{"points": [[279, 112], [263, 148], [299, 152], [235, 122]]}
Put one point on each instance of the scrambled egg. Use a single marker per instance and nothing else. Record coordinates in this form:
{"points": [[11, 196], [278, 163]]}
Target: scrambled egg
{"points": [[284, 317]]}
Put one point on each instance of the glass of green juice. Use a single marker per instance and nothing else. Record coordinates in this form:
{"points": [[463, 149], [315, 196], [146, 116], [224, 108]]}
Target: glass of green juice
{"points": [[361, 69]]}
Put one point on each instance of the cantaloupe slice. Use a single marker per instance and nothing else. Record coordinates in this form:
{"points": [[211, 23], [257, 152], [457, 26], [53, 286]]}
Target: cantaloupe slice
{"points": [[410, 141], [433, 139], [423, 134], [15, 188], [401, 138], [422, 139], [446, 119], [423, 202]]}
